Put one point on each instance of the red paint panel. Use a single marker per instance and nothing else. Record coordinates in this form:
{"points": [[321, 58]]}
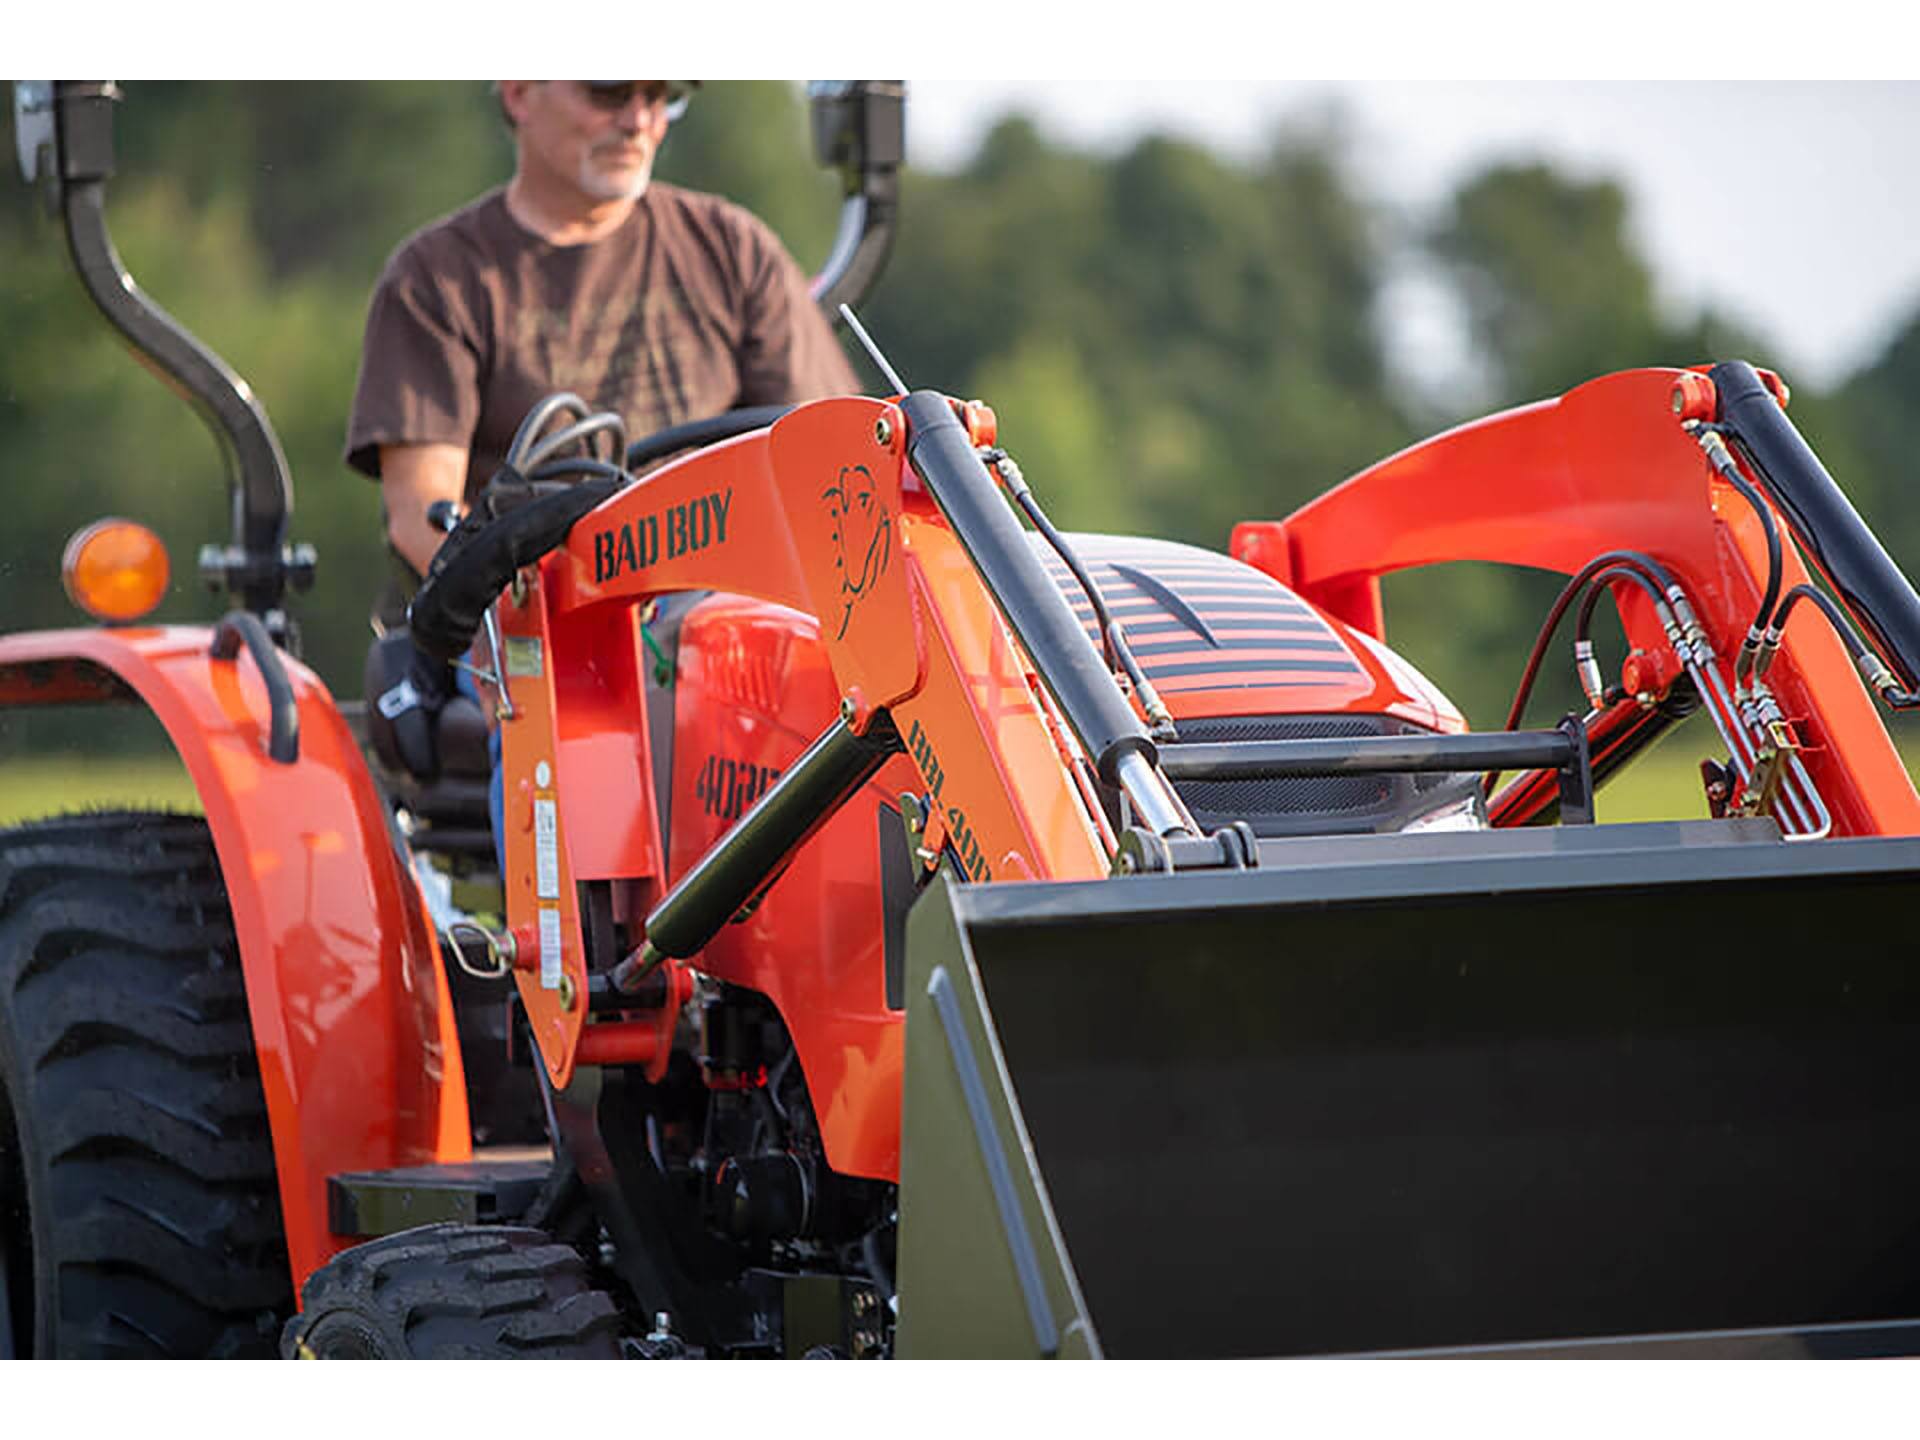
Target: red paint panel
{"points": [[753, 690]]}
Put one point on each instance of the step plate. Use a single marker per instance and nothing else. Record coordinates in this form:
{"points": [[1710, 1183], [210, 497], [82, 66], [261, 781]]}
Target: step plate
{"points": [[476, 1192]]}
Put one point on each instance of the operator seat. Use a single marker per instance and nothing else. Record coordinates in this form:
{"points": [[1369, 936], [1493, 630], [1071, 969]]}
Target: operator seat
{"points": [[431, 740]]}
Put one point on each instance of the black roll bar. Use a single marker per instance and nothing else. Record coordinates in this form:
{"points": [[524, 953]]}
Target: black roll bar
{"points": [[258, 565]]}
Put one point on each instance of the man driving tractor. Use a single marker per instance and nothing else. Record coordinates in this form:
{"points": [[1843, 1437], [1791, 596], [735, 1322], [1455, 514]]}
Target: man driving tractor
{"points": [[657, 303]]}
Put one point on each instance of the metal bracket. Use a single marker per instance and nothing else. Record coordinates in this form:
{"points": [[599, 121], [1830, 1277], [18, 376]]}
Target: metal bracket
{"points": [[1141, 852], [1576, 775], [33, 128], [1770, 767]]}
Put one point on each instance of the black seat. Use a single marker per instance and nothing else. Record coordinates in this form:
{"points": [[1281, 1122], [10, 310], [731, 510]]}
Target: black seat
{"points": [[431, 740]]}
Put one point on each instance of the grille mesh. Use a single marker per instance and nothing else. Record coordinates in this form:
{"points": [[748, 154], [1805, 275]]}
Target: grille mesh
{"points": [[1309, 804]]}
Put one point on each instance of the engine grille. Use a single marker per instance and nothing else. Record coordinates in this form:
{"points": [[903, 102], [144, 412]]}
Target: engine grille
{"points": [[1314, 805]]}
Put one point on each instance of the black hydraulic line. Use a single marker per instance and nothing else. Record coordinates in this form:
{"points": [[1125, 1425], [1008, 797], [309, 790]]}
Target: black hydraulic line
{"points": [[714, 428], [1103, 618], [1597, 585], [1721, 458], [1072, 670], [1568, 593], [1591, 679], [1113, 639], [1856, 648], [1873, 589], [1566, 597], [1873, 670], [1369, 754], [241, 627], [256, 465], [759, 844]]}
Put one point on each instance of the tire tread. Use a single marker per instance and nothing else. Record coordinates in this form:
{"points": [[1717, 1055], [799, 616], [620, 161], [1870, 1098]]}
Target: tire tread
{"points": [[122, 991], [463, 1291]]}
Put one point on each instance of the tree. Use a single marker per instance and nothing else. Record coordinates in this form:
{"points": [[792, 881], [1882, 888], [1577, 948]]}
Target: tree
{"points": [[1555, 292]]}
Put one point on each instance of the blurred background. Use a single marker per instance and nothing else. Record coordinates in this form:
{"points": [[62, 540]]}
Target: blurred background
{"points": [[1188, 308]]}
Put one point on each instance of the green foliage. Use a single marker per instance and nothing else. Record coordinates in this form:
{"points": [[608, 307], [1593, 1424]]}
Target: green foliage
{"points": [[1174, 340], [749, 140], [1879, 461], [1548, 276]]}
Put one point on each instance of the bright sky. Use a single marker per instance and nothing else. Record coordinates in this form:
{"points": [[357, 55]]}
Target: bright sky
{"points": [[1793, 206]]}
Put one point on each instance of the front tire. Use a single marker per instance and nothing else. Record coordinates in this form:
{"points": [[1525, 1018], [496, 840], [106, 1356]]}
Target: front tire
{"points": [[139, 1212], [455, 1292]]}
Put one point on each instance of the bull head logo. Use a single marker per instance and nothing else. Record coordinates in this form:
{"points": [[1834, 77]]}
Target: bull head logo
{"points": [[862, 536]]}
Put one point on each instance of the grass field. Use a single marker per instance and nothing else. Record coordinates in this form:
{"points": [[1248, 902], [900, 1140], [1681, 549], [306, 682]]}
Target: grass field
{"points": [[50, 785], [1662, 785]]}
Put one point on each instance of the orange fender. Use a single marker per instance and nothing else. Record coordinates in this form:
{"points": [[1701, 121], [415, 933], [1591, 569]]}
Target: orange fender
{"points": [[351, 1015]]}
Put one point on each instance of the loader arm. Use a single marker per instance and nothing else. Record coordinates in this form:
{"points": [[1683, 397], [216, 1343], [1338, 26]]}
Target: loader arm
{"points": [[820, 513], [1555, 483]]}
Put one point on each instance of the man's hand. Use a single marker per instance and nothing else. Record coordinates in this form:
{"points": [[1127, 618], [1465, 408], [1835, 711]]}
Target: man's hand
{"points": [[412, 477]]}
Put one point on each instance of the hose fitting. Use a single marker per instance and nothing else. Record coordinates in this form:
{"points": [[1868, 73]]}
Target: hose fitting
{"points": [[1591, 680]]}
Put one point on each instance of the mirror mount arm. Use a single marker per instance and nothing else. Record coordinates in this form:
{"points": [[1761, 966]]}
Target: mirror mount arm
{"points": [[66, 140], [859, 128]]}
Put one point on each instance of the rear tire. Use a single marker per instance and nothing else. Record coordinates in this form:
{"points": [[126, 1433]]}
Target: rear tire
{"points": [[455, 1292], [139, 1214]]}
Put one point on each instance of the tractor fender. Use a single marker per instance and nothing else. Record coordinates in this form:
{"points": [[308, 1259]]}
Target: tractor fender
{"points": [[350, 1009]]}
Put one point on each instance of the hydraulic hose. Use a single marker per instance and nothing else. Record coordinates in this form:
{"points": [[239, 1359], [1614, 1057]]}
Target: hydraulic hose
{"points": [[1646, 564], [1871, 587], [478, 561], [1723, 463]]}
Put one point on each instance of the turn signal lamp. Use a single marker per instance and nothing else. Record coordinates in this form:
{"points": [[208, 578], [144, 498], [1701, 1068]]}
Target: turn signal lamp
{"points": [[115, 570]]}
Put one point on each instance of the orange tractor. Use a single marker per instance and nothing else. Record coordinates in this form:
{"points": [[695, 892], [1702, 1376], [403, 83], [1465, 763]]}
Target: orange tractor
{"points": [[931, 934]]}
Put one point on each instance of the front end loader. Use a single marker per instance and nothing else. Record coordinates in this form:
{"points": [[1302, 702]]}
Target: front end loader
{"points": [[931, 934]]}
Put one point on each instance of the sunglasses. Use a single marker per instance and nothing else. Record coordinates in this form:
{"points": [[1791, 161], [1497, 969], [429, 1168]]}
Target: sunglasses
{"points": [[612, 95]]}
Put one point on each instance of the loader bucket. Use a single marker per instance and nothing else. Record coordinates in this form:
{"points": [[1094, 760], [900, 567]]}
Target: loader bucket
{"points": [[1648, 1087]]}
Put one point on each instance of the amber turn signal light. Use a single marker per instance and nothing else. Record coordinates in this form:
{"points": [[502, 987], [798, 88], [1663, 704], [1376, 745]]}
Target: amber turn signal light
{"points": [[115, 570]]}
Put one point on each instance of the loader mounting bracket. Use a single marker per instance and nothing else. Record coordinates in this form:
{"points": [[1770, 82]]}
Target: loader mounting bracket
{"points": [[1141, 852]]}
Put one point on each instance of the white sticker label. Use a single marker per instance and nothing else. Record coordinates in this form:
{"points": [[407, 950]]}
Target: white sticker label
{"points": [[546, 850], [549, 948], [523, 656]]}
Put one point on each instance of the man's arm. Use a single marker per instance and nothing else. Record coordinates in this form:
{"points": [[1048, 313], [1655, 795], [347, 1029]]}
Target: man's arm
{"points": [[412, 477], [788, 351]]}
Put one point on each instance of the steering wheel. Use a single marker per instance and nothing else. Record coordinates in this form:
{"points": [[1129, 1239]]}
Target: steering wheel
{"points": [[676, 438]]}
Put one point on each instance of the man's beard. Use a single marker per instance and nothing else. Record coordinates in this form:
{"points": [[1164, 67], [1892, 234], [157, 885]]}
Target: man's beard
{"points": [[603, 186]]}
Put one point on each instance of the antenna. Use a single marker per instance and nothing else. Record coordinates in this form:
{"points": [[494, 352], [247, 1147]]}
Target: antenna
{"points": [[873, 350]]}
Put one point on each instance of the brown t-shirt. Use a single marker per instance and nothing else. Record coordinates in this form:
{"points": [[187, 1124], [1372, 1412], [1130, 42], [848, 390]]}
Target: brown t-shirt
{"points": [[692, 307]]}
